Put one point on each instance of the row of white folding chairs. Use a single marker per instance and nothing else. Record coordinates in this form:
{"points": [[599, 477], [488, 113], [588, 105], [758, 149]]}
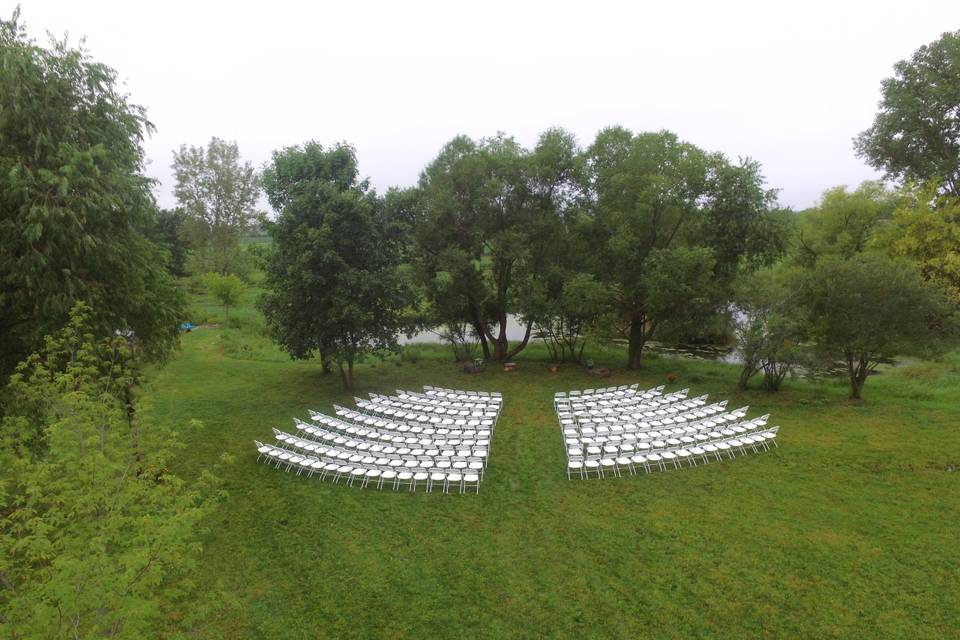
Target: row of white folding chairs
{"points": [[622, 404], [366, 413], [716, 412], [458, 461], [422, 414], [355, 419], [467, 448], [440, 392], [577, 447], [688, 428], [717, 422], [372, 437], [586, 466], [367, 474], [423, 399], [464, 410], [492, 400], [649, 418], [608, 407], [663, 406], [372, 423], [608, 391]]}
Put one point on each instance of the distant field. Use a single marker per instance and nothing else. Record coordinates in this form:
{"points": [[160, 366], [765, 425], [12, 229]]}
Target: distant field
{"points": [[848, 530], [252, 239]]}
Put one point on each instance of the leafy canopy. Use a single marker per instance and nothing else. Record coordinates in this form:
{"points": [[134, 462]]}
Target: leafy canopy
{"points": [[488, 223], [866, 308], [844, 223], [98, 537], [915, 136], [74, 203], [333, 281], [226, 289], [218, 193], [926, 229], [669, 226]]}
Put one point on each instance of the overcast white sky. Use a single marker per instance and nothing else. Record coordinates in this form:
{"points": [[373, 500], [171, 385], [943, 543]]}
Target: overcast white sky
{"points": [[788, 84]]}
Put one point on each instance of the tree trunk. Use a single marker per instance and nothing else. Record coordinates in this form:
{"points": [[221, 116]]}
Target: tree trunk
{"points": [[346, 375], [523, 343], [637, 338], [480, 330], [773, 375], [858, 374], [746, 373], [856, 387], [500, 340]]}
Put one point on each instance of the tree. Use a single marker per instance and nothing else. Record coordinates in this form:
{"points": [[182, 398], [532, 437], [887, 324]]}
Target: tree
{"points": [[867, 308], [74, 203], [168, 231], [915, 136], [569, 305], [767, 327], [226, 289], [219, 195], [926, 229], [487, 224], [844, 223], [333, 281], [670, 227], [98, 537]]}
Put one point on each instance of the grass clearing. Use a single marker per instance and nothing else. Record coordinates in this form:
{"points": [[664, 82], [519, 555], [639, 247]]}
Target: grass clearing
{"points": [[849, 529]]}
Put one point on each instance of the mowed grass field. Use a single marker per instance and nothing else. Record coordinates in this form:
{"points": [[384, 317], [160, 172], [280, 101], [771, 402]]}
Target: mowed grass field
{"points": [[851, 529]]}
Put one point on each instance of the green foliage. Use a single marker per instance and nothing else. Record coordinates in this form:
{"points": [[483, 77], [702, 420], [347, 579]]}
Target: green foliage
{"points": [[915, 137], [926, 229], [218, 194], [238, 260], [565, 309], [227, 289], [489, 221], [767, 326], [869, 308], [168, 232], [670, 226], [333, 281], [843, 223], [98, 537], [74, 203]]}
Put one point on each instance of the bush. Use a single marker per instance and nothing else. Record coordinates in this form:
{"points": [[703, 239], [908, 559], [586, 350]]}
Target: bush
{"points": [[226, 289]]}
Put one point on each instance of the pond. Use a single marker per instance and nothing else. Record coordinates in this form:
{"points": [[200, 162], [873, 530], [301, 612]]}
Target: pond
{"points": [[515, 333], [714, 353]]}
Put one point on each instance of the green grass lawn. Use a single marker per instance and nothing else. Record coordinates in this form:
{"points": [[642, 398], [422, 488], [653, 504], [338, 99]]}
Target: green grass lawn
{"points": [[849, 530]]}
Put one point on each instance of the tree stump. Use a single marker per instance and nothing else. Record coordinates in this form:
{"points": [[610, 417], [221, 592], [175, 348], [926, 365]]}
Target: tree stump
{"points": [[470, 367]]}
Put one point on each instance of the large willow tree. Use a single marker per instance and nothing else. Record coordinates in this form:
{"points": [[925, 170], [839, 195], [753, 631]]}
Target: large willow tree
{"points": [[489, 225], [670, 226]]}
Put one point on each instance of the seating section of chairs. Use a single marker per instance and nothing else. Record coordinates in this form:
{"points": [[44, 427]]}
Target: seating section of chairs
{"points": [[437, 441], [609, 431]]}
